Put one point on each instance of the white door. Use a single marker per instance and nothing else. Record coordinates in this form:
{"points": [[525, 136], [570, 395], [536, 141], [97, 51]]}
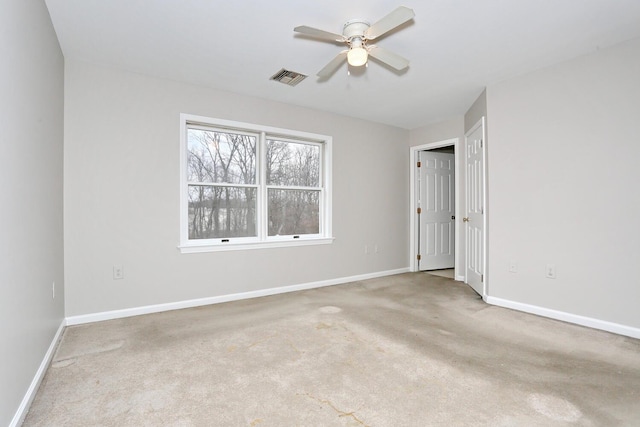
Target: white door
{"points": [[437, 210], [474, 219]]}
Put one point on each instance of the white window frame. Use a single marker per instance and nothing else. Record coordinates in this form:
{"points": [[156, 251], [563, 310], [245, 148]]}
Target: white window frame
{"points": [[262, 240]]}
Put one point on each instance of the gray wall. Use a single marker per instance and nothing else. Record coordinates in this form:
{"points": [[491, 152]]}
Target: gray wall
{"points": [[563, 186], [452, 128], [122, 195], [476, 111], [31, 253]]}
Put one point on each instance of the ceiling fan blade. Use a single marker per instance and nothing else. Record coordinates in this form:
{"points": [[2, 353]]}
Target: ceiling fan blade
{"points": [[332, 66], [389, 22], [320, 34], [386, 56]]}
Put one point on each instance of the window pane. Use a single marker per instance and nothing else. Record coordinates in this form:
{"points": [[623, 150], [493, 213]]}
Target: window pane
{"points": [[220, 212], [221, 157], [293, 212], [293, 164]]}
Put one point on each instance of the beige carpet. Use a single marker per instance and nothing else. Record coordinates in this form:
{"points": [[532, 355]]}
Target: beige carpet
{"points": [[408, 350], [449, 273]]}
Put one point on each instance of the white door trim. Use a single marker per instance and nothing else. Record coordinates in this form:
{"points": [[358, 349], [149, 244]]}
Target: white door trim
{"points": [[413, 217]]}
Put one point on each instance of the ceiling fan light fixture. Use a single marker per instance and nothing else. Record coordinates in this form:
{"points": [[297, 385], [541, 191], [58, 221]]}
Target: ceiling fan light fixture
{"points": [[357, 55]]}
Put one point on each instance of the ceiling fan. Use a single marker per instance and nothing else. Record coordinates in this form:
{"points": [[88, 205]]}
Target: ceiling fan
{"points": [[356, 33]]}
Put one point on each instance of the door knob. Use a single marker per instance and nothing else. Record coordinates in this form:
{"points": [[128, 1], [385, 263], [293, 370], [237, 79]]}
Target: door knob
{"points": [[466, 219]]}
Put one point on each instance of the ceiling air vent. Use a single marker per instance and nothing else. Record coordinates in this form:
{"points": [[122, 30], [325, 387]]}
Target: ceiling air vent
{"points": [[287, 77]]}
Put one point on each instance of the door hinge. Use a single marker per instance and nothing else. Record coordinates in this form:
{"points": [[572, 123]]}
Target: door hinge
{"points": [[419, 257], [481, 142], [482, 278], [419, 164], [419, 210]]}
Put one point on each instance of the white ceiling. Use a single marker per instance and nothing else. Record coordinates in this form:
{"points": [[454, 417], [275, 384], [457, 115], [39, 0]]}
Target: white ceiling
{"points": [[456, 47]]}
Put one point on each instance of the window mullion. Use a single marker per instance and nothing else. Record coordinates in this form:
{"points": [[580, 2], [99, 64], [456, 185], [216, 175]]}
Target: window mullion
{"points": [[221, 184], [262, 176], [293, 187]]}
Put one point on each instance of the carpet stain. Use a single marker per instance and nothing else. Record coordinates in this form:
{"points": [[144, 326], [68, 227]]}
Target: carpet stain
{"points": [[340, 413], [262, 341], [63, 363], [256, 422], [556, 408], [108, 346], [330, 309], [293, 346], [323, 325], [94, 348]]}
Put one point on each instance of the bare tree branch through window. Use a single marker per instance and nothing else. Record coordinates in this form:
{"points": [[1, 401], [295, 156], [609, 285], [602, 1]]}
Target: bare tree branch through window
{"points": [[248, 184], [216, 160]]}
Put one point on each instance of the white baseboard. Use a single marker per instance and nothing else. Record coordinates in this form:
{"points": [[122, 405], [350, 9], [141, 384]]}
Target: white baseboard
{"points": [[136, 311], [21, 413], [459, 278], [603, 325]]}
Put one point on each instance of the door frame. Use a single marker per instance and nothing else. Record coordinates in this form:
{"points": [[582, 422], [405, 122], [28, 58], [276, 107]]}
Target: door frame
{"points": [[413, 216]]}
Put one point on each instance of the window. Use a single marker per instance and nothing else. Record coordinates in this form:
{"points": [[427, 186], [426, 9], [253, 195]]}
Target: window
{"points": [[247, 186]]}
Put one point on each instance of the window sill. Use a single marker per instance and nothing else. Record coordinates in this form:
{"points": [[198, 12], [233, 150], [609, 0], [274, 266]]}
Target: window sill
{"points": [[199, 248]]}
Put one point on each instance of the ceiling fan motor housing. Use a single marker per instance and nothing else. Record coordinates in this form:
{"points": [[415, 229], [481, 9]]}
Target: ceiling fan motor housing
{"points": [[355, 28]]}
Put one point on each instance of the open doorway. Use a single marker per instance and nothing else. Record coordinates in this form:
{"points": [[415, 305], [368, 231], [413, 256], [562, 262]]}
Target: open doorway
{"points": [[435, 201], [470, 195]]}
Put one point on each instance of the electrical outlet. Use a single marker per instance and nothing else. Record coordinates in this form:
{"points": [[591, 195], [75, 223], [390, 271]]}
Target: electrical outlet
{"points": [[118, 272], [53, 290], [366, 249], [551, 271], [375, 249], [513, 267]]}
